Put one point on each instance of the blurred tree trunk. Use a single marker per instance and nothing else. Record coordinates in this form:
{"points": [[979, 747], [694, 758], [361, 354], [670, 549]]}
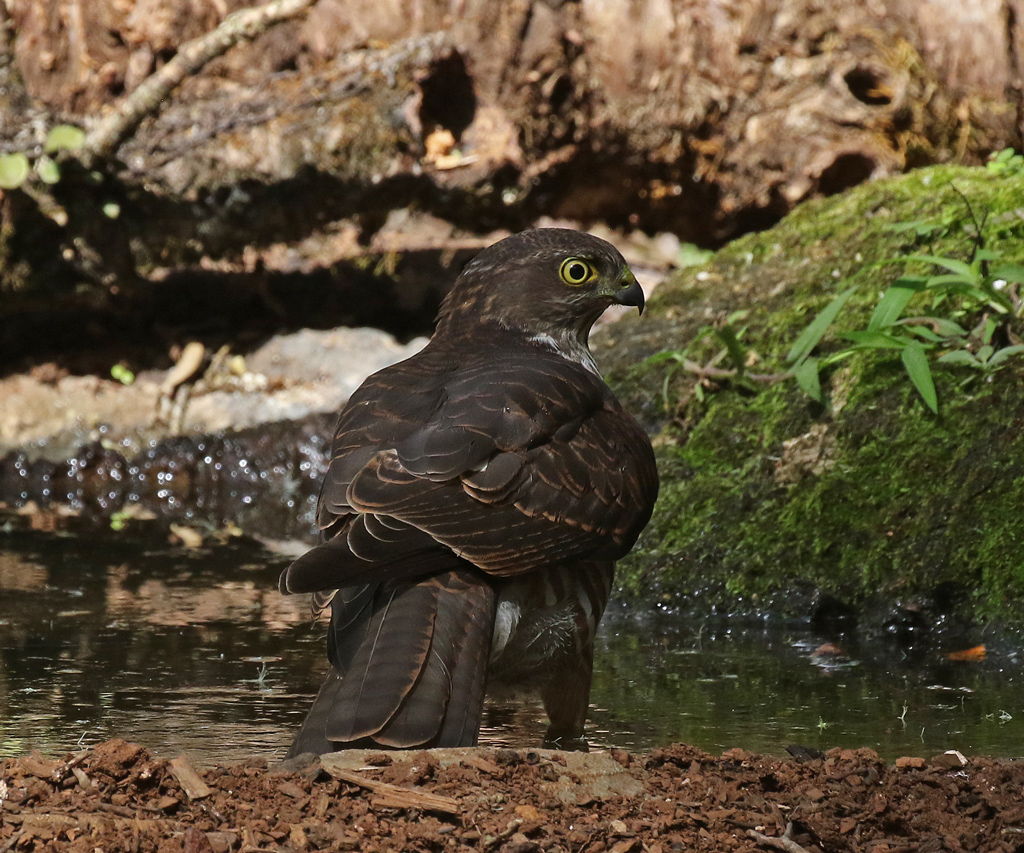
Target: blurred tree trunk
{"points": [[702, 117]]}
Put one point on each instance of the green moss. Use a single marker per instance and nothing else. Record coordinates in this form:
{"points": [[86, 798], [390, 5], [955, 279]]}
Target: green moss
{"points": [[870, 497]]}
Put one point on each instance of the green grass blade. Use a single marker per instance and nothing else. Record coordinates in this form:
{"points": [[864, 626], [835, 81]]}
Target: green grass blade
{"points": [[958, 356], [659, 357], [1009, 272], [889, 308], [1003, 354], [952, 264], [927, 334], [915, 360], [949, 328], [875, 340], [954, 282], [737, 352], [810, 336], [807, 378]]}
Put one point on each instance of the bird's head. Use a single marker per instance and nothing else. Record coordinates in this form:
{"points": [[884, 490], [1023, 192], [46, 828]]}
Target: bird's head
{"points": [[551, 281]]}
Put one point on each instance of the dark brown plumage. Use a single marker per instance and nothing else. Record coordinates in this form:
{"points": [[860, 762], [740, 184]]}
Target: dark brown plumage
{"points": [[477, 498]]}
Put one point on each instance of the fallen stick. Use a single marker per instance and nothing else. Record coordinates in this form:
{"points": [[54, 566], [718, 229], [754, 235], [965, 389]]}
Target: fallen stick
{"points": [[780, 842], [244, 25], [393, 796]]}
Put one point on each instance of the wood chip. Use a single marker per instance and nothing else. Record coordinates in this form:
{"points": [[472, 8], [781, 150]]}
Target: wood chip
{"points": [[36, 765], [191, 782], [482, 764], [297, 837], [290, 789], [84, 782], [195, 841], [167, 803]]}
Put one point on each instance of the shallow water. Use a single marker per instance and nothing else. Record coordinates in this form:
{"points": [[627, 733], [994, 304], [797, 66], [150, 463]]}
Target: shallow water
{"points": [[119, 635]]}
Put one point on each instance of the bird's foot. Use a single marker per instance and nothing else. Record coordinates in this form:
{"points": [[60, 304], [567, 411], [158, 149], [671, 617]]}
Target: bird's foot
{"points": [[570, 742]]}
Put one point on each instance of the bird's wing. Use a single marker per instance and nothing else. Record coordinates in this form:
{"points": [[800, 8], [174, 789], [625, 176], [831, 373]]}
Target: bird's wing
{"points": [[524, 461]]}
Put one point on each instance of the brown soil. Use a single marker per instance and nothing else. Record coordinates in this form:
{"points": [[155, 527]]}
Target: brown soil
{"points": [[117, 796]]}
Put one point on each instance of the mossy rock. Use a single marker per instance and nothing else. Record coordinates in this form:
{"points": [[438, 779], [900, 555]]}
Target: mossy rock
{"points": [[867, 497]]}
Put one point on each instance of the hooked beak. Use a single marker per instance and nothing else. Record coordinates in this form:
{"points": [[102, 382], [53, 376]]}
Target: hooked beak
{"points": [[630, 293]]}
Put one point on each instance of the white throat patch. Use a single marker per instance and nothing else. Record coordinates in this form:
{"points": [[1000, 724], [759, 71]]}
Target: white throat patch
{"points": [[569, 348]]}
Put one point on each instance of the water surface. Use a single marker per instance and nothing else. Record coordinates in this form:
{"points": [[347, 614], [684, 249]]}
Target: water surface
{"points": [[117, 634]]}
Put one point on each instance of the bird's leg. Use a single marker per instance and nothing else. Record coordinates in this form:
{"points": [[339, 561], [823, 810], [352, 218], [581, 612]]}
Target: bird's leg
{"points": [[566, 700]]}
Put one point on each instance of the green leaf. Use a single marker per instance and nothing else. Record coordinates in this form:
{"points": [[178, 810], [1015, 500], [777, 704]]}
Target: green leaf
{"points": [[917, 282], [954, 283], [927, 334], [949, 328], [736, 350], [64, 136], [48, 170], [809, 337], [984, 354], [876, 340], [920, 227], [915, 360], [122, 374], [1009, 272], [807, 378], [659, 357], [958, 356], [946, 328], [14, 169], [890, 307], [951, 264], [1005, 353]]}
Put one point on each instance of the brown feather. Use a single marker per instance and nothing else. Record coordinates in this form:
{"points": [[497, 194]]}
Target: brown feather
{"points": [[450, 688], [388, 659]]}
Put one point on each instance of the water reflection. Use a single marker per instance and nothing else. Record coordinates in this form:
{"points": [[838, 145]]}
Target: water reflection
{"points": [[766, 688], [116, 634]]}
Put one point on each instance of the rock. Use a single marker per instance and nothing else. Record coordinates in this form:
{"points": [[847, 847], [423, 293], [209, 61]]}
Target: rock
{"points": [[290, 377]]}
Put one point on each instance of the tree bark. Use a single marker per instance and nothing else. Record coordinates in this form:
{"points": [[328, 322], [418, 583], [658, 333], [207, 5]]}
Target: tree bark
{"points": [[706, 118]]}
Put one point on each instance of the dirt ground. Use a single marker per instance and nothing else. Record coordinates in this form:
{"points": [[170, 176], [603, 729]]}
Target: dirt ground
{"points": [[118, 797]]}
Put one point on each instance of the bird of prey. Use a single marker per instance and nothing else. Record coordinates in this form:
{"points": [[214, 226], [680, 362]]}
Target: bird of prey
{"points": [[477, 498]]}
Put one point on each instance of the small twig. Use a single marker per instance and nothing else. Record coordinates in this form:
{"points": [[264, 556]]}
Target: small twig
{"points": [[120, 811], [10, 842], [979, 237], [706, 371], [781, 842], [507, 832], [246, 24]]}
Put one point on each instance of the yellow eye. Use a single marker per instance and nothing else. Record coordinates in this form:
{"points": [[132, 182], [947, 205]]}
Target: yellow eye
{"points": [[576, 271]]}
